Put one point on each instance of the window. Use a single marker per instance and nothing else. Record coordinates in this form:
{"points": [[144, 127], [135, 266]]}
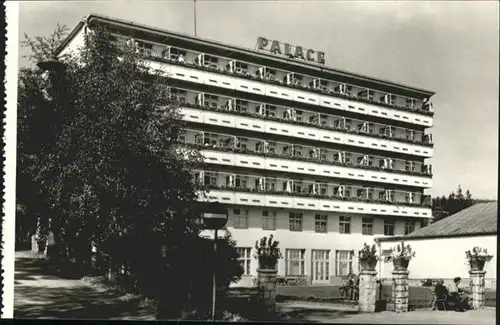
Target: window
{"points": [[409, 166], [210, 61], [409, 226], [175, 53], [320, 222], [241, 106], [210, 179], [210, 139], [343, 263], [295, 261], [244, 259], [270, 184], [389, 227], [320, 265], [211, 101], [240, 67], [295, 221], [298, 115], [240, 218], [270, 110], [345, 225], [241, 181], [178, 95], [145, 48], [367, 226], [269, 220]]}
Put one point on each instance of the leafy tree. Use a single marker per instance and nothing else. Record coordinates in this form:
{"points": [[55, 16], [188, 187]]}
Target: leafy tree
{"points": [[36, 137], [99, 145]]}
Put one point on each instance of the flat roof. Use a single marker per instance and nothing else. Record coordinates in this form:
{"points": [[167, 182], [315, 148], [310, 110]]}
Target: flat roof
{"points": [[416, 92], [477, 220]]}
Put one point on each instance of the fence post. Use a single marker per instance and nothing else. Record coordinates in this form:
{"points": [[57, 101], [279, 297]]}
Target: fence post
{"points": [[478, 288], [400, 290], [367, 290]]}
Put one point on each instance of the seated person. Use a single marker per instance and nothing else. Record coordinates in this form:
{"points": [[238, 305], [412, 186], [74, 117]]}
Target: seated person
{"points": [[441, 292], [356, 286], [347, 286], [459, 295]]}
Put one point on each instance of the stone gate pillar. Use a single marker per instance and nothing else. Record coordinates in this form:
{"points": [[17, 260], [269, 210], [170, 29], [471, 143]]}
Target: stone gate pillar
{"points": [[267, 288], [367, 291], [478, 285], [400, 290]]}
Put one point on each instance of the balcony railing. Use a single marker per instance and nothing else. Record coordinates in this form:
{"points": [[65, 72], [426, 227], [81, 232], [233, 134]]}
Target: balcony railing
{"points": [[264, 152], [300, 188], [334, 92], [381, 135]]}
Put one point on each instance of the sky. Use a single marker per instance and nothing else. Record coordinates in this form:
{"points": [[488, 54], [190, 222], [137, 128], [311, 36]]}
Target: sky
{"points": [[449, 47]]}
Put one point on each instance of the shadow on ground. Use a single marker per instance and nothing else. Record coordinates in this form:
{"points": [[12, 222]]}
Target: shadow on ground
{"points": [[300, 315], [42, 292]]}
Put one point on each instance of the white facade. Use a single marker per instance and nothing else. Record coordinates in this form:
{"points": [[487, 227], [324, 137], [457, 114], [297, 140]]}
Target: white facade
{"points": [[333, 163], [444, 257]]}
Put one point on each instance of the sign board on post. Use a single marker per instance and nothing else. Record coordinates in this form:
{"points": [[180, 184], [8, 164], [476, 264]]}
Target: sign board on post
{"points": [[214, 215], [294, 52]]}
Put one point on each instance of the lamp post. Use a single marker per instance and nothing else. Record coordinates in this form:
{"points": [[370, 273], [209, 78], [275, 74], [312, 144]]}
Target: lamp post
{"points": [[214, 217]]}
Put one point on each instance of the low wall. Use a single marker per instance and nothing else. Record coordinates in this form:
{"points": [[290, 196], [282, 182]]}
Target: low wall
{"points": [[490, 283]]}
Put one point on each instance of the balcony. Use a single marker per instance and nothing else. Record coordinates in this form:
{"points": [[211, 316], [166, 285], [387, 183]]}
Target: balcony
{"points": [[298, 117], [229, 149], [303, 130], [296, 194], [306, 166], [339, 99]]}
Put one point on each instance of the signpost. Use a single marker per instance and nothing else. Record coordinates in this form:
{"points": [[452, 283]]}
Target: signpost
{"points": [[214, 217]]}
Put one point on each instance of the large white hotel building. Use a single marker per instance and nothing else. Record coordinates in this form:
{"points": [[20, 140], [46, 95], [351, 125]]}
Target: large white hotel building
{"points": [[324, 159]]}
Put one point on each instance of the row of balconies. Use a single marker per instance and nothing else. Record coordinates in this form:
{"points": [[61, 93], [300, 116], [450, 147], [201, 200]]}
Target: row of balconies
{"points": [[299, 117], [230, 143], [269, 128], [301, 188], [282, 77]]}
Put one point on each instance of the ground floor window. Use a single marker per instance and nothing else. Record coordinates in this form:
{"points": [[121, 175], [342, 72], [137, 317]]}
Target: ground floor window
{"points": [[295, 261], [245, 258], [320, 265], [343, 262]]}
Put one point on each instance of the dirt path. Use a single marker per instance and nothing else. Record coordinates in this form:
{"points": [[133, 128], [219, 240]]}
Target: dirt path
{"points": [[40, 292]]}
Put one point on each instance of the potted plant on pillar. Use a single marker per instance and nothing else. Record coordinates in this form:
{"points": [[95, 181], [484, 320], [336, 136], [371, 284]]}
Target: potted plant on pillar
{"points": [[368, 257], [267, 253], [477, 258], [401, 256]]}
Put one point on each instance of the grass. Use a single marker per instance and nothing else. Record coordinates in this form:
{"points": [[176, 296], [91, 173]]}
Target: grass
{"points": [[420, 297]]}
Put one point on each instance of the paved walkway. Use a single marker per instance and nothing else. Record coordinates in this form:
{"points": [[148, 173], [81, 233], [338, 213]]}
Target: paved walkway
{"points": [[311, 314], [40, 292]]}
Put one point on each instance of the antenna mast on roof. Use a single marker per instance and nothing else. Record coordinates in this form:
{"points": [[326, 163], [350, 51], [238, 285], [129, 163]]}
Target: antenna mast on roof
{"points": [[194, 7]]}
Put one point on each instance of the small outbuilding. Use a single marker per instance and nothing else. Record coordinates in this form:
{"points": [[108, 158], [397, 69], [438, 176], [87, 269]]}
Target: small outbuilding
{"points": [[440, 247]]}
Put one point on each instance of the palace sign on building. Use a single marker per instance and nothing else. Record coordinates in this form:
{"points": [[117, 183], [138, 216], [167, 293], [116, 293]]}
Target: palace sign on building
{"points": [[295, 52]]}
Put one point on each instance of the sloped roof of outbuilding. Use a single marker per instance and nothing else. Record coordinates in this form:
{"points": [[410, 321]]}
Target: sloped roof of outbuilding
{"points": [[479, 219]]}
